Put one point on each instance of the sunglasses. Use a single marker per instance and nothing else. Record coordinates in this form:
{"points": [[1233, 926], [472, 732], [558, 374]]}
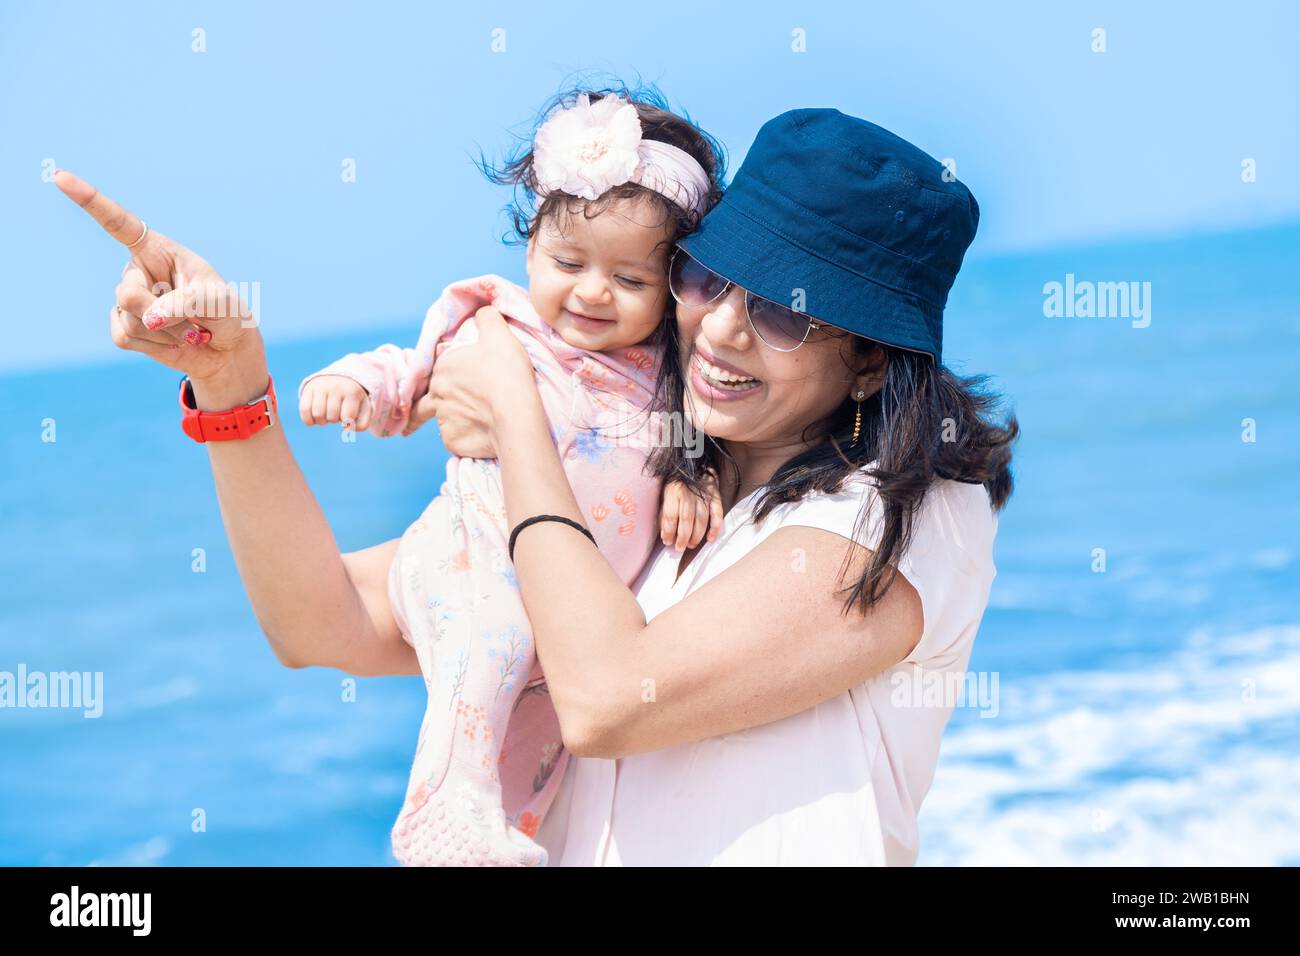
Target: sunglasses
{"points": [[694, 284]]}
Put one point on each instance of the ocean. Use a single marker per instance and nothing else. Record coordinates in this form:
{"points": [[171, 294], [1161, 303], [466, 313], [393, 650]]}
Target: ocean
{"points": [[1143, 627]]}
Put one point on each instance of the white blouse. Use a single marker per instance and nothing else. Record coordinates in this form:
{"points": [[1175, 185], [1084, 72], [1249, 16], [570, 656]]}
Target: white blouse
{"points": [[838, 784]]}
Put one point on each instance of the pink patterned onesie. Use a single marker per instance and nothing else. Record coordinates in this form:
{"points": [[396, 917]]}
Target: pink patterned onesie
{"points": [[490, 756]]}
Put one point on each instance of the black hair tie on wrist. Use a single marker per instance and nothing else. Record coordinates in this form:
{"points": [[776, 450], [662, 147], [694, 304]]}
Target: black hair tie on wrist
{"points": [[536, 518]]}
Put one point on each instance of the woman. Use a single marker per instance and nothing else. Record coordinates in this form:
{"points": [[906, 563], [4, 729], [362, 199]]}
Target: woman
{"points": [[734, 706]]}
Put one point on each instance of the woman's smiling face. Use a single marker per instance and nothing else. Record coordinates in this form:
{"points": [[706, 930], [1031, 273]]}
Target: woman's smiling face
{"points": [[601, 283], [793, 390]]}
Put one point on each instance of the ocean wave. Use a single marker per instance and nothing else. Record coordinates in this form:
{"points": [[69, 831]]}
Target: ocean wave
{"points": [[1187, 759]]}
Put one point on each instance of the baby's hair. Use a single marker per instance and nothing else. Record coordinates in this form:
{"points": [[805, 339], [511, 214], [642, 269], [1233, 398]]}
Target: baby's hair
{"points": [[658, 122]]}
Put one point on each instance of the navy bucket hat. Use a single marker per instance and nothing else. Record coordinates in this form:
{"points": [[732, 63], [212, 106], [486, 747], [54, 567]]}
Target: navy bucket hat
{"points": [[859, 219]]}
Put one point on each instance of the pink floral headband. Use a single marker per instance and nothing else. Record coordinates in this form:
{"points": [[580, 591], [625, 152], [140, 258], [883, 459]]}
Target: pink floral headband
{"points": [[586, 150]]}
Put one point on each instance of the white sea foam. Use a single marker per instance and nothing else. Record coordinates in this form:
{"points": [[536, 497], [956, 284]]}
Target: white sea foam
{"points": [[1190, 759]]}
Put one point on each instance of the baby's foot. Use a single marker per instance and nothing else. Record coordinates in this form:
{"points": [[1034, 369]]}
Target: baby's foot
{"points": [[461, 830]]}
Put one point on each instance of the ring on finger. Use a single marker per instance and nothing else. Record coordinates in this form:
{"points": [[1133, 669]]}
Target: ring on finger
{"points": [[132, 245]]}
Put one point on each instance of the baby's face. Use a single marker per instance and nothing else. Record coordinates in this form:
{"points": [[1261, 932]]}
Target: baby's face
{"points": [[601, 283]]}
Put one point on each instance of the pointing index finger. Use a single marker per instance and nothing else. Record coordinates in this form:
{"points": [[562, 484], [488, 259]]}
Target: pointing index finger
{"points": [[122, 224]]}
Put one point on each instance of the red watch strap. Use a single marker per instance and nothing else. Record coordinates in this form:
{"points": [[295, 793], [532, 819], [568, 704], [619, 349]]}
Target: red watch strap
{"points": [[242, 421]]}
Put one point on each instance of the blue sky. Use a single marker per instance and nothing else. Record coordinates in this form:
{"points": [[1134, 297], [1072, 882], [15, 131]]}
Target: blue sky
{"points": [[237, 151]]}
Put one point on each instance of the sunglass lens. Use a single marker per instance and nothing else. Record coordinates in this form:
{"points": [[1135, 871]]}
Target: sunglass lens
{"points": [[779, 327], [692, 283]]}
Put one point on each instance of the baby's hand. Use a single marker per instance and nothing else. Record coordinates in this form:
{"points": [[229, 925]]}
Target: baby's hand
{"points": [[684, 518], [335, 398]]}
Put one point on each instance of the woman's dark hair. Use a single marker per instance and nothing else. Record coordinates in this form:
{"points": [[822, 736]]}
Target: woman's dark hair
{"points": [[923, 424], [658, 122]]}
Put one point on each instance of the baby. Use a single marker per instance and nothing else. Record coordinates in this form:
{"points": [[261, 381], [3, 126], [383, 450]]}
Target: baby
{"points": [[619, 181]]}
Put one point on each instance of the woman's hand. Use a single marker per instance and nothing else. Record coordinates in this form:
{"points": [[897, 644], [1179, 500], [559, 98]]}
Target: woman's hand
{"points": [[466, 398], [171, 304]]}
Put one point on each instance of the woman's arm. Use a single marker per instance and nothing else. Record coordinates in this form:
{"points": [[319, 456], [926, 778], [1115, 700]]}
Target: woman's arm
{"points": [[315, 605], [759, 642]]}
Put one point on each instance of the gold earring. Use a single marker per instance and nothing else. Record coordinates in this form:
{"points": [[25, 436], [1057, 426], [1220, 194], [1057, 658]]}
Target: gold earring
{"points": [[857, 422]]}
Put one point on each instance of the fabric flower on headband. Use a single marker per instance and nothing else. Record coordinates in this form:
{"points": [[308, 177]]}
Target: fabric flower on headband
{"points": [[586, 150]]}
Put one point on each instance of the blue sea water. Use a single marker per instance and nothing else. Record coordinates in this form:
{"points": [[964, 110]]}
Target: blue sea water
{"points": [[1146, 714]]}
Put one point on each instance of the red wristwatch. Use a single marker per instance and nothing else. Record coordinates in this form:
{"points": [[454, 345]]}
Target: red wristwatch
{"points": [[243, 421]]}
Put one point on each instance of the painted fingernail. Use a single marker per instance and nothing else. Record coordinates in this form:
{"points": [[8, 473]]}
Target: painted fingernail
{"points": [[192, 336], [153, 319]]}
